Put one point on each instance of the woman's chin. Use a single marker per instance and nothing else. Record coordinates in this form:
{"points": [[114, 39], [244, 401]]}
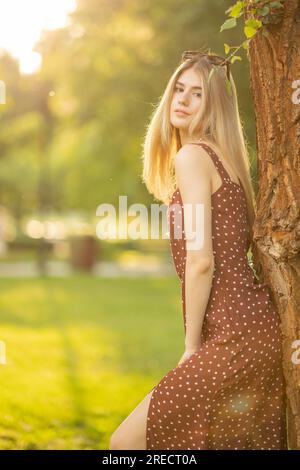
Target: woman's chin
{"points": [[179, 124]]}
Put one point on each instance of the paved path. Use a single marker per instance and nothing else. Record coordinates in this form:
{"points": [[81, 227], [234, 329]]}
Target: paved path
{"points": [[101, 269]]}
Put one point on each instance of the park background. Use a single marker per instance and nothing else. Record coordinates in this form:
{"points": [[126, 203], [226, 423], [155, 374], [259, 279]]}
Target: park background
{"points": [[88, 326]]}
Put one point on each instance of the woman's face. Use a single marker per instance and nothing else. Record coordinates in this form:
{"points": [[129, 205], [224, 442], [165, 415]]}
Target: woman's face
{"points": [[186, 97]]}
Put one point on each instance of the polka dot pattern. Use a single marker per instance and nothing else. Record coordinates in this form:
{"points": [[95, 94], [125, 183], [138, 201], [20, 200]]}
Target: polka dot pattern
{"points": [[230, 394]]}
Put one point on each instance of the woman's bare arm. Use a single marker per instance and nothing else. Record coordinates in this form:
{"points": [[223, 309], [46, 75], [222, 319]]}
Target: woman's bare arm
{"points": [[193, 173]]}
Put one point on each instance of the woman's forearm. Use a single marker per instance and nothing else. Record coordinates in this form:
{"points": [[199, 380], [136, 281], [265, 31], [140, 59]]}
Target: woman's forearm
{"points": [[198, 283]]}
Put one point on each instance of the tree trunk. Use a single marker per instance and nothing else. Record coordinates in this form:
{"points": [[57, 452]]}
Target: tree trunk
{"points": [[275, 69]]}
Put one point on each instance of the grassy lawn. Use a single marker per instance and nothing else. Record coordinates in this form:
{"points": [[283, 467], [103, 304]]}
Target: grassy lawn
{"points": [[81, 353]]}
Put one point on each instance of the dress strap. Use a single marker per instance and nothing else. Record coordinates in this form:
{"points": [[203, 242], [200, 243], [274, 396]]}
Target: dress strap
{"points": [[217, 161]]}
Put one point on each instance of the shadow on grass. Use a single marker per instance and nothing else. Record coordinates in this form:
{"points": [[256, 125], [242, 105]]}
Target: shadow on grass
{"points": [[86, 351]]}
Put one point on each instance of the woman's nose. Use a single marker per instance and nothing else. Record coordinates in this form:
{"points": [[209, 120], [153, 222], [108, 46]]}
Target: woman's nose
{"points": [[183, 100]]}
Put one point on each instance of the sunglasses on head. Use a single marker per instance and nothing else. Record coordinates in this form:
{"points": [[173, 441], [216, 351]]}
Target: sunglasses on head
{"points": [[213, 59]]}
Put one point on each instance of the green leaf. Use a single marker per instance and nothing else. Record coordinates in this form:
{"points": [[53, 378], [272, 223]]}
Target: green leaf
{"points": [[249, 32], [234, 58], [246, 44], [229, 9], [253, 23], [264, 11], [236, 10], [228, 87], [227, 48], [228, 24], [276, 5]]}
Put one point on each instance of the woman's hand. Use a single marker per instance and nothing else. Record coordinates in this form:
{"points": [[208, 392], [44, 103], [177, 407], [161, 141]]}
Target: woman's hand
{"points": [[186, 355]]}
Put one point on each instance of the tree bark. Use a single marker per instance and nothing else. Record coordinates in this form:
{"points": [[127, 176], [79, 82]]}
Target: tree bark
{"points": [[274, 71]]}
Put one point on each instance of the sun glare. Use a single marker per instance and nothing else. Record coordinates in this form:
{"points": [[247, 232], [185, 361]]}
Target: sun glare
{"points": [[21, 23]]}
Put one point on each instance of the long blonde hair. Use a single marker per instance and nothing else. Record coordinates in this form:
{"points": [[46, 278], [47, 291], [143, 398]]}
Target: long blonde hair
{"points": [[217, 122]]}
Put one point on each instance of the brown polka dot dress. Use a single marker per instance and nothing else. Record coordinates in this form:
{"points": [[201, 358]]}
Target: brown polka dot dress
{"points": [[230, 394]]}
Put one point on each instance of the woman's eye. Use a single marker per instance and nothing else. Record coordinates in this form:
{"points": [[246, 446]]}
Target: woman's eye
{"points": [[180, 89]]}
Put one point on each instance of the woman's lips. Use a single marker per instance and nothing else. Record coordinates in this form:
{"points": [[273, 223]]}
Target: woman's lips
{"points": [[181, 113]]}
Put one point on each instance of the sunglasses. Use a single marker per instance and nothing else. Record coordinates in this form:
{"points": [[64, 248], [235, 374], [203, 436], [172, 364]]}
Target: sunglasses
{"points": [[213, 59]]}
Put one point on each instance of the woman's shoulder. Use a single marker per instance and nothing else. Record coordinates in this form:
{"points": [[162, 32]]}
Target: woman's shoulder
{"points": [[195, 156], [193, 159], [191, 151]]}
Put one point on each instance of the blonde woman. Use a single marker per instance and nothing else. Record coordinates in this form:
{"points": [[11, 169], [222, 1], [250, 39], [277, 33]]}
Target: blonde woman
{"points": [[227, 390]]}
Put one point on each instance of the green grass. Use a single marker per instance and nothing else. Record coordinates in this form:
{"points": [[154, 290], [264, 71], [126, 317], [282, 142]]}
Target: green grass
{"points": [[81, 353]]}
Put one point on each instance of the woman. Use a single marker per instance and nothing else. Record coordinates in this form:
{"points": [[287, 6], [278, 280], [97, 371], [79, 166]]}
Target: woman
{"points": [[227, 390]]}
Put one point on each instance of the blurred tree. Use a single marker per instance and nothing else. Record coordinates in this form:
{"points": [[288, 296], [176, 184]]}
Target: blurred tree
{"points": [[75, 128], [105, 67], [26, 132]]}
